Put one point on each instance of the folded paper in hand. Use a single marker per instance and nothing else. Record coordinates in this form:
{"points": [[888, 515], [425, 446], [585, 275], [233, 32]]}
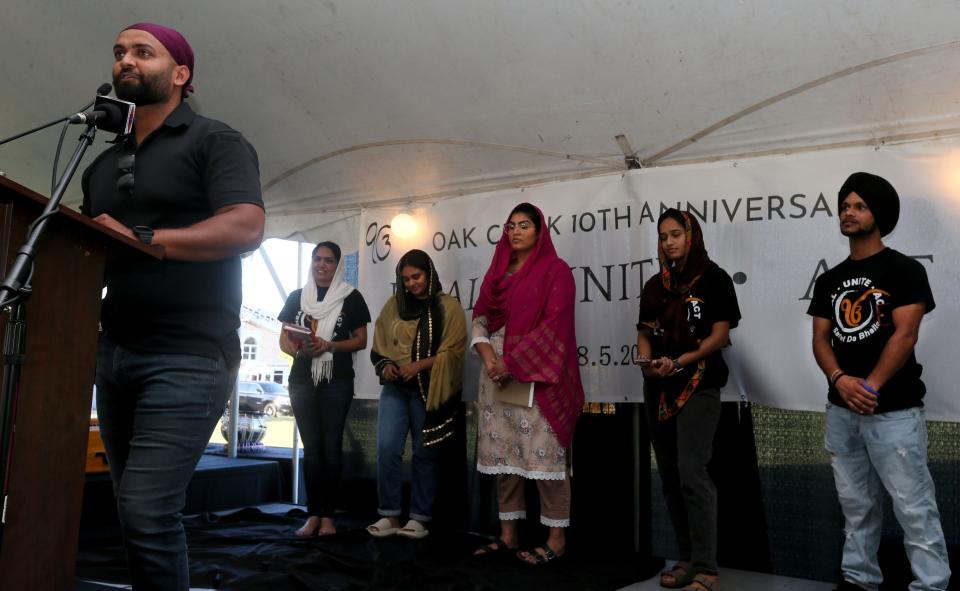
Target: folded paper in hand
{"points": [[514, 392], [297, 334]]}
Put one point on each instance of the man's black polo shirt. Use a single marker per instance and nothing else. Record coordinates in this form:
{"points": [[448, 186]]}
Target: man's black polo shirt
{"points": [[184, 171]]}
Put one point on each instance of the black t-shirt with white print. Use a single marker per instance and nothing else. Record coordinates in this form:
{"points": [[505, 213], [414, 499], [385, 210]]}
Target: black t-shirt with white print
{"points": [[712, 299], [353, 315], [858, 297]]}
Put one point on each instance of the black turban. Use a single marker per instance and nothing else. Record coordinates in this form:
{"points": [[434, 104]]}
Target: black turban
{"points": [[878, 194]]}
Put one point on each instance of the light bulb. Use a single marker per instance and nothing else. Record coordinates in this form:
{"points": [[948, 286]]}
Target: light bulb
{"points": [[403, 225]]}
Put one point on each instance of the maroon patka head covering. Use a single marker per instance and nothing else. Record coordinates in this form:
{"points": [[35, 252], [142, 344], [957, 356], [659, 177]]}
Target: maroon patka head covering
{"points": [[176, 44]]}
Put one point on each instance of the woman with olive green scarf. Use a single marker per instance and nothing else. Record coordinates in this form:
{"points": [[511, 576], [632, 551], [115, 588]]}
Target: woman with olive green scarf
{"points": [[418, 348]]}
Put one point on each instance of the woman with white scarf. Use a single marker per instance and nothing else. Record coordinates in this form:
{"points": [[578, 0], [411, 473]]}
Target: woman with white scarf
{"points": [[321, 379]]}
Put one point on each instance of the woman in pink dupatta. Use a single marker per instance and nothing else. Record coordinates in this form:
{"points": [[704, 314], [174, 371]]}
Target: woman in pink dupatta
{"points": [[523, 329]]}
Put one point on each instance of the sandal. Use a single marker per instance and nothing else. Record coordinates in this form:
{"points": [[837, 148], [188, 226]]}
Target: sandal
{"points": [[681, 573], [497, 546], [540, 558], [704, 583], [382, 528], [413, 530]]}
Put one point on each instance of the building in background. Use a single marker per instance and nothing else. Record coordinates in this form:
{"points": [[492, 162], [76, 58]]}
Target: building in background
{"points": [[261, 357]]}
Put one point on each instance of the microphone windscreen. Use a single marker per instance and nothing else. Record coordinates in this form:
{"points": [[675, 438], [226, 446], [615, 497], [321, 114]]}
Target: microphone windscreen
{"points": [[117, 114]]}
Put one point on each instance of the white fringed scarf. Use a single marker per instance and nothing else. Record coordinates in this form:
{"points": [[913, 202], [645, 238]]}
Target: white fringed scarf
{"points": [[325, 313]]}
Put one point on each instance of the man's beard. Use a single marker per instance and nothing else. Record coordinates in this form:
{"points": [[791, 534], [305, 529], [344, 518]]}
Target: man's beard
{"points": [[860, 231], [148, 90]]}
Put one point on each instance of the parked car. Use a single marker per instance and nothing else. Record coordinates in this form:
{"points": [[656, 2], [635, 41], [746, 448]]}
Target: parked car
{"points": [[270, 398]]}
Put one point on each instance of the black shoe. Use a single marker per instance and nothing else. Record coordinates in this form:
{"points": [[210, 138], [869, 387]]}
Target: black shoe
{"points": [[848, 586]]}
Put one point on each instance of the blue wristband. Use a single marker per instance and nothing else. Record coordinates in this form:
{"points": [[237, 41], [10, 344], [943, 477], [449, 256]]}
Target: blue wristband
{"points": [[867, 387]]}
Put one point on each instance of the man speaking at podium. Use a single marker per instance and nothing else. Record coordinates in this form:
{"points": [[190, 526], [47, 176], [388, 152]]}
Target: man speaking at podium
{"points": [[169, 353]]}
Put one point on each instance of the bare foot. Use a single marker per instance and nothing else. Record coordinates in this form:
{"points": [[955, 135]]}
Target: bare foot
{"points": [[309, 528], [327, 528]]}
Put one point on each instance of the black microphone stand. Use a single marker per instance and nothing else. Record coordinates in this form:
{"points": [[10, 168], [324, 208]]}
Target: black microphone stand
{"points": [[42, 127], [104, 89], [38, 128], [14, 292]]}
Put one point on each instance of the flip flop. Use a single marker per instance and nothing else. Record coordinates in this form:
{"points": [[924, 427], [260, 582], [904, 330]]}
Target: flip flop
{"points": [[413, 530], [704, 582], [682, 574], [497, 546], [540, 558], [382, 528]]}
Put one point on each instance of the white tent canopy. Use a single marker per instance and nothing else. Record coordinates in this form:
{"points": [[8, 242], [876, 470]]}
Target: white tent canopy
{"points": [[357, 102]]}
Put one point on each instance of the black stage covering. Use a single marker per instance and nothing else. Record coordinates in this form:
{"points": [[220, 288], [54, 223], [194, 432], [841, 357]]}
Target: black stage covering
{"points": [[252, 550]]}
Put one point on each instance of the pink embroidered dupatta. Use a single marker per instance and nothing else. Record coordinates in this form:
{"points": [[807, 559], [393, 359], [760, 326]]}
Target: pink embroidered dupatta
{"points": [[536, 304]]}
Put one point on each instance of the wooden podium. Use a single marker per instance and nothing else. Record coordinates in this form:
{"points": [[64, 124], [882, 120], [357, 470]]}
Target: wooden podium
{"points": [[45, 472]]}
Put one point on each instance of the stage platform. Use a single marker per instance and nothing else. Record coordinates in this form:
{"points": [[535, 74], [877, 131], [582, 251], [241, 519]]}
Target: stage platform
{"points": [[255, 549], [219, 483], [282, 456], [240, 534]]}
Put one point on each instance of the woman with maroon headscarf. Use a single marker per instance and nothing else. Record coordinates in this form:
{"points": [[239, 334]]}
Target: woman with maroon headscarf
{"points": [[686, 313], [523, 329]]}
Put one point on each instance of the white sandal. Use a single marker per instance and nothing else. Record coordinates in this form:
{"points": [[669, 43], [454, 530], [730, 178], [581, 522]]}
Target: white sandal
{"points": [[413, 530], [382, 528]]}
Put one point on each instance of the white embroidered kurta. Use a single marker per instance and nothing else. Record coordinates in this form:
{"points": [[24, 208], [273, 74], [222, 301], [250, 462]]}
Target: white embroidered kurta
{"points": [[513, 439]]}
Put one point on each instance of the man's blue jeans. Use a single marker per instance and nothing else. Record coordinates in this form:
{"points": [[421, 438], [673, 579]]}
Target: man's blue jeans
{"points": [[401, 410], [156, 414], [870, 453]]}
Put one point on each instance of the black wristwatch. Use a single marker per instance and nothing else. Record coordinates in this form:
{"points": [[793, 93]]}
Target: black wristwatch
{"points": [[144, 234]]}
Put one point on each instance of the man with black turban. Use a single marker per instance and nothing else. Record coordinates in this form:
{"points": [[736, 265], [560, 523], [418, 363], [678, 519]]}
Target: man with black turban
{"points": [[866, 318], [169, 353]]}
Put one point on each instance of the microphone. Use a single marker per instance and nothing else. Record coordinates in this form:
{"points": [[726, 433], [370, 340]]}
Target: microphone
{"points": [[109, 114], [80, 117]]}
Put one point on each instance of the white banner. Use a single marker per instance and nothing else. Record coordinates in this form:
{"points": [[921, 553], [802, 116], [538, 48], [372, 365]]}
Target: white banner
{"points": [[769, 222]]}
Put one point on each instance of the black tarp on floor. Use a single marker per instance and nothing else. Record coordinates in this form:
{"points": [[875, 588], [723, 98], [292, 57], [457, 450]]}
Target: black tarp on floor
{"points": [[253, 550]]}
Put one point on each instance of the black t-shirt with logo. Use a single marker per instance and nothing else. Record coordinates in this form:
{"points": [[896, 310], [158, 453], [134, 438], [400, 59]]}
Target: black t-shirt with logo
{"points": [[712, 299], [353, 315], [858, 297]]}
